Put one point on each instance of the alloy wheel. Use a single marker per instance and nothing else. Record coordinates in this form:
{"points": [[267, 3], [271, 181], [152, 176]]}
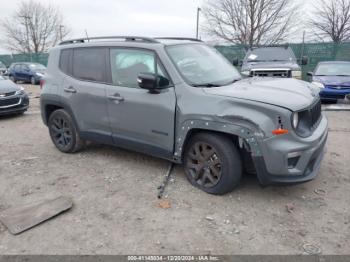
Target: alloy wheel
{"points": [[204, 164], [61, 132]]}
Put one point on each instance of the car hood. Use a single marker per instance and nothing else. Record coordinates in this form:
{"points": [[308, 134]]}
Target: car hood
{"points": [[333, 80], [288, 93], [270, 65], [7, 86]]}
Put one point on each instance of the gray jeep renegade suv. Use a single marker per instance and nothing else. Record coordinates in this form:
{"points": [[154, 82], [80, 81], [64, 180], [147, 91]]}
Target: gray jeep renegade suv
{"points": [[180, 100]]}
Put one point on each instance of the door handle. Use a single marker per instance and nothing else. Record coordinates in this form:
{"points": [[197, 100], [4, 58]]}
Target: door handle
{"points": [[70, 89], [116, 97]]}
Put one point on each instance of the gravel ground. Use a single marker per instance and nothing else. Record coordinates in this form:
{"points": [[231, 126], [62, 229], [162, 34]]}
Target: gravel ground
{"points": [[116, 210]]}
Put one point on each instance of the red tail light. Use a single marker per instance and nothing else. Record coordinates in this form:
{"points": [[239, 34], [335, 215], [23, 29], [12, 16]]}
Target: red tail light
{"points": [[42, 82]]}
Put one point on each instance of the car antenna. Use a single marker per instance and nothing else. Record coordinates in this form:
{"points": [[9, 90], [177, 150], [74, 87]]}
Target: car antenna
{"points": [[87, 36]]}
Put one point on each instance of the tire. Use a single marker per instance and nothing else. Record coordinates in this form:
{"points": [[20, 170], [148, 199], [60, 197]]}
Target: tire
{"points": [[212, 163], [12, 78], [64, 133], [32, 80]]}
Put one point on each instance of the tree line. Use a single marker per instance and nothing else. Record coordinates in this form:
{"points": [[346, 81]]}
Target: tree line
{"points": [[35, 27]]}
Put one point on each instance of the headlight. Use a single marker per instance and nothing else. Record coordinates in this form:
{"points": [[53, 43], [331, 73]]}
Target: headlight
{"points": [[296, 74], [20, 92], [245, 73], [39, 74], [295, 120], [318, 84]]}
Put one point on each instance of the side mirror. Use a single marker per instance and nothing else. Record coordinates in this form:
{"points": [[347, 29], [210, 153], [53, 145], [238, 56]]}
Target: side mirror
{"points": [[304, 60], [152, 82], [310, 73]]}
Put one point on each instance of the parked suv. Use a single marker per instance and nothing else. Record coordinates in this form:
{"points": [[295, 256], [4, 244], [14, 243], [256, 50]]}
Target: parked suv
{"points": [[27, 72], [272, 61], [180, 100]]}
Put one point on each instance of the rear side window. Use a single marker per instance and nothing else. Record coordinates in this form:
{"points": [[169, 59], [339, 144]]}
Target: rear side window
{"points": [[65, 64], [89, 64]]}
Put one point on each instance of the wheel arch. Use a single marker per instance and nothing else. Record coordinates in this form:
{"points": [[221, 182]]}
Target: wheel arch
{"points": [[235, 132], [49, 105]]}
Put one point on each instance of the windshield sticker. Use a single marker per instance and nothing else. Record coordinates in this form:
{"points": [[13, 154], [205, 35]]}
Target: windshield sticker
{"points": [[252, 57]]}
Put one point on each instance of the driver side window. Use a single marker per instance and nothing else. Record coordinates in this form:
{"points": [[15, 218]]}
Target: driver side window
{"points": [[127, 64]]}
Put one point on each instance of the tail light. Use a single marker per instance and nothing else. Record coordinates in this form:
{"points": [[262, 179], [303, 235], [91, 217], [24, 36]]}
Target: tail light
{"points": [[42, 82]]}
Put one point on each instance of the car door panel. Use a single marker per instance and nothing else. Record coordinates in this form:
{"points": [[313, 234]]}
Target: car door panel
{"points": [[139, 119], [87, 95]]}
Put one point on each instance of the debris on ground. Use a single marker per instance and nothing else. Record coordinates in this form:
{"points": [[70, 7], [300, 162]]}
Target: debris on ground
{"points": [[165, 182], [320, 191], [164, 204], [290, 207], [209, 218], [21, 218], [311, 249]]}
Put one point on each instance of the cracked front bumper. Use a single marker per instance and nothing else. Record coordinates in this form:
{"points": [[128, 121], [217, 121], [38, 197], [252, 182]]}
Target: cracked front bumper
{"points": [[274, 167]]}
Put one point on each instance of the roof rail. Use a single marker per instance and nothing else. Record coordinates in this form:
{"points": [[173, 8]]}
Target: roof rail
{"points": [[179, 38], [126, 38]]}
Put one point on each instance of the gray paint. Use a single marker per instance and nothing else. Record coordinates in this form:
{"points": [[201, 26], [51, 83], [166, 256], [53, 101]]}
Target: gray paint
{"points": [[159, 124]]}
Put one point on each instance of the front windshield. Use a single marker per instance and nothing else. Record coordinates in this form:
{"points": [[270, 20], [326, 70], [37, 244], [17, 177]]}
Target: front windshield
{"points": [[333, 69], [202, 65], [37, 67], [270, 54]]}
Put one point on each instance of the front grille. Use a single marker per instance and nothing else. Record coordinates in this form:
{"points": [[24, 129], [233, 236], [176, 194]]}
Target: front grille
{"points": [[315, 113], [309, 119], [271, 73], [7, 94], [9, 101]]}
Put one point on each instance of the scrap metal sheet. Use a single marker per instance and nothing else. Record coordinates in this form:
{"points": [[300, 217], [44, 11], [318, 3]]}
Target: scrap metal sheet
{"points": [[22, 218]]}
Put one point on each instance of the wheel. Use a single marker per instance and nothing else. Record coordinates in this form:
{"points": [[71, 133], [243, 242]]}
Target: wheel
{"points": [[12, 78], [32, 80], [63, 132], [212, 163]]}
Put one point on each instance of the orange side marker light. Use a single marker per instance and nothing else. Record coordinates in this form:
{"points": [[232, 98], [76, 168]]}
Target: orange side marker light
{"points": [[280, 131]]}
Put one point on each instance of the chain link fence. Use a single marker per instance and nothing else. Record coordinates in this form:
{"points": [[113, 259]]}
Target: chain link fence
{"points": [[35, 58]]}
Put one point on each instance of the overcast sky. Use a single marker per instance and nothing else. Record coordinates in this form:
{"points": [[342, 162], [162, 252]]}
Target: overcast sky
{"points": [[126, 17]]}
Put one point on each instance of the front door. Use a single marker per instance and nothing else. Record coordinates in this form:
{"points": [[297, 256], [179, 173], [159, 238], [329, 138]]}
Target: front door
{"points": [[139, 120]]}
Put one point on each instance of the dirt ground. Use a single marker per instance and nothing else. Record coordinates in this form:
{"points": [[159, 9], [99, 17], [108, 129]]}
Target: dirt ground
{"points": [[116, 207]]}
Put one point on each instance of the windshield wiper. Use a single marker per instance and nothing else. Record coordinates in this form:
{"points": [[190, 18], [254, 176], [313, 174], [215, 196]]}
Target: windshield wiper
{"points": [[206, 85]]}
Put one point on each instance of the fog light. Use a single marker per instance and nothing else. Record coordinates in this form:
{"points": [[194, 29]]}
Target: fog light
{"points": [[293, 159]]}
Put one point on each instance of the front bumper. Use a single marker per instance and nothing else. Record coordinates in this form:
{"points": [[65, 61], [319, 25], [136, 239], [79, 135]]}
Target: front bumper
{"points": [[274, 168], [334, 94], [19, 107]]}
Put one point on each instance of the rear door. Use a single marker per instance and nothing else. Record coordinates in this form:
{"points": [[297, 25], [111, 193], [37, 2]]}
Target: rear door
{"points": [[84, 90], [139, 120]]}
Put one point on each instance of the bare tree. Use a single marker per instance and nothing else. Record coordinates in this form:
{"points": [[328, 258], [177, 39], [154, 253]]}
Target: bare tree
{"points": [[34, 28], [250, 22], [332, 20]]}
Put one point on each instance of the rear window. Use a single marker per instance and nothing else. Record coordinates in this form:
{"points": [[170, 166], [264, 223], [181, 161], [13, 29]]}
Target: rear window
{"points": [[65, 64], [89, 64]]}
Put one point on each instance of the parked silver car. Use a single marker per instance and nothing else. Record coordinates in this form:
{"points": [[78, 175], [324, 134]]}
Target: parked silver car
{"points": [[180, 100]]}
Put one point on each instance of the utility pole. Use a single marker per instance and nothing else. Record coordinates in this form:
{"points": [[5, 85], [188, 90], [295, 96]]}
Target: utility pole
{"points": [[61, 32], [26, 19], [197, 28]]}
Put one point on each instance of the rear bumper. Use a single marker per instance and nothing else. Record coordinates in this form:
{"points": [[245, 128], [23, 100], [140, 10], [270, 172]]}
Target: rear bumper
{"points": [[276, 169]]}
